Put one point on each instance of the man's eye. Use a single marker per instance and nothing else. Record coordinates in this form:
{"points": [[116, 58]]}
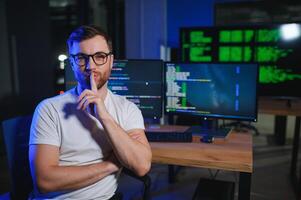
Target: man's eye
{"points": [[99, 56], [80, 57]]}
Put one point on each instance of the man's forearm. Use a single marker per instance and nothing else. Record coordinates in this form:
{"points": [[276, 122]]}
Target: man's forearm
{"points": [[60, 178], [131, 153]]}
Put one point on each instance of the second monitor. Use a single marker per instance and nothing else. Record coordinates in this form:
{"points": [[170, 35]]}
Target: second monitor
{"points": [[212, 90]]}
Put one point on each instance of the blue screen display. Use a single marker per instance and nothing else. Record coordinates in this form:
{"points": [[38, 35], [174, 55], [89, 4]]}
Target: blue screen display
{"points": [[212, 90]]}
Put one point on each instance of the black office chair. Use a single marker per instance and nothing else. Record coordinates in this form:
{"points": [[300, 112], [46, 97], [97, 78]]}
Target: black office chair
{"points": [[16, 138]]}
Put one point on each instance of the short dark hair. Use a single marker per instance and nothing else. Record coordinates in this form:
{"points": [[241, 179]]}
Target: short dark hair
{"points": [[87, 32]]}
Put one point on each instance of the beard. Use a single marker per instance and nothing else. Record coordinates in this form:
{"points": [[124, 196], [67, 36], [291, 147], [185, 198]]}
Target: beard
{"points": [[99, 83], [83, 78]]}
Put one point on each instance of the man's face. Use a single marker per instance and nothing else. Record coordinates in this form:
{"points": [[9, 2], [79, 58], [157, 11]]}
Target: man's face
{"points": [[101, 72]]}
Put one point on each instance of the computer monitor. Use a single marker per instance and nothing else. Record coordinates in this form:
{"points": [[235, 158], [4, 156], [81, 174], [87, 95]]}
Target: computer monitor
{"points": [[275, 47], [139, 80], [212, 90]]}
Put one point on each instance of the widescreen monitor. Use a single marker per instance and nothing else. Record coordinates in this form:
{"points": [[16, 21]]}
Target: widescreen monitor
{"points": [[212, 90], [139, 80], [276, 48]]}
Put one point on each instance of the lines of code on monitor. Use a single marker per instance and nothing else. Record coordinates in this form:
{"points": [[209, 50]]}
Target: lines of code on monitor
{"points": [[212, 90], [140, 81], [276, 48]]}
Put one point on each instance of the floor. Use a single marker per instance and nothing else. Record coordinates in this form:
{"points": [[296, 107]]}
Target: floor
{"points": [[270, 180]]}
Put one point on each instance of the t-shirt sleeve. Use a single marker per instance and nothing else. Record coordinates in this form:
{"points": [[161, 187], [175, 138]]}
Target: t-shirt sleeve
{"points": [[134, 119], [44, 127]]}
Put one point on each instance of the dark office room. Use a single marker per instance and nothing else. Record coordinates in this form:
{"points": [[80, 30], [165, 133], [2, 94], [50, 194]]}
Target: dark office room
{"points": [[194, 99]]}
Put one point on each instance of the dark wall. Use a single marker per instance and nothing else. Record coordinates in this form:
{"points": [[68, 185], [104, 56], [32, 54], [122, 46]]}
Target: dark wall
{"points": [[27, 49], [189, 13], [5, 79], [144, 28]]}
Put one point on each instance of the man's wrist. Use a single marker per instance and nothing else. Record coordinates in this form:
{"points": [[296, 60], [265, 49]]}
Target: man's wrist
{"points": [[104, 116]]}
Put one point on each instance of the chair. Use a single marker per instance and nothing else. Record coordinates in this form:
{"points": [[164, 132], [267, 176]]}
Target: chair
{"points": [[16, 138], [146, 180]]}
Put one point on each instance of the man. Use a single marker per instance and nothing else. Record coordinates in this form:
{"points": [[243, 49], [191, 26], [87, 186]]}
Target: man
{"points": [[81, 139]]}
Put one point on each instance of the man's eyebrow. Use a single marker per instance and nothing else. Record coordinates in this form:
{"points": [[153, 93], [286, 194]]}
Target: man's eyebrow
{"points": [[79, 53]]}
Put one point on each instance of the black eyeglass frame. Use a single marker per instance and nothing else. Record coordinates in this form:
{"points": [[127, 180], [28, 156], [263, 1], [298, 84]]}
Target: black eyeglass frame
{"points": [[87, 58]]}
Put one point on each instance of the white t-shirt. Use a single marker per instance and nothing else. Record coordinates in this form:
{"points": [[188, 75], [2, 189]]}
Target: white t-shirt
{"points": [[81, 137]]}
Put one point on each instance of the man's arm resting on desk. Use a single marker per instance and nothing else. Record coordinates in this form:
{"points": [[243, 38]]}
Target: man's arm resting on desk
{"points": [[49, 176]]}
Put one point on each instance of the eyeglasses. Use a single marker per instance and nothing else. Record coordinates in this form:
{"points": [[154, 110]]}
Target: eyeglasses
{"points": [[99, 58]]}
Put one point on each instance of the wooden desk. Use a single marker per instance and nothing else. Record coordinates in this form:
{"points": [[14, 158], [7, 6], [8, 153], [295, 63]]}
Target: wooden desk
{"points": [[280, 107], [233, 153]]}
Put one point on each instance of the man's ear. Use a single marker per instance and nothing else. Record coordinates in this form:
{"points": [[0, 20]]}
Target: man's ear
{"points": [[111, 61]]}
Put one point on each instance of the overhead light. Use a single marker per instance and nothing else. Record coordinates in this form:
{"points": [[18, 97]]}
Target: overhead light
{"points": [[62, 57], [290, 31]]}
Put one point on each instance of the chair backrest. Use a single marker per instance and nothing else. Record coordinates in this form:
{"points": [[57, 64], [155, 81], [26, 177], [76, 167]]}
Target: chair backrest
{"points": [[16, 136], [146, 180]]}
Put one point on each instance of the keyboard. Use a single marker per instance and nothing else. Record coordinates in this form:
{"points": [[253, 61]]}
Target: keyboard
{"points": [[157, 136], [217, 133]]}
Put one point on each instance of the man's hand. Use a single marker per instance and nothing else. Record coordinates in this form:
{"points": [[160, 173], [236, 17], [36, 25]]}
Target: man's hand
{"points": [[92, 97], [114, 161]]}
